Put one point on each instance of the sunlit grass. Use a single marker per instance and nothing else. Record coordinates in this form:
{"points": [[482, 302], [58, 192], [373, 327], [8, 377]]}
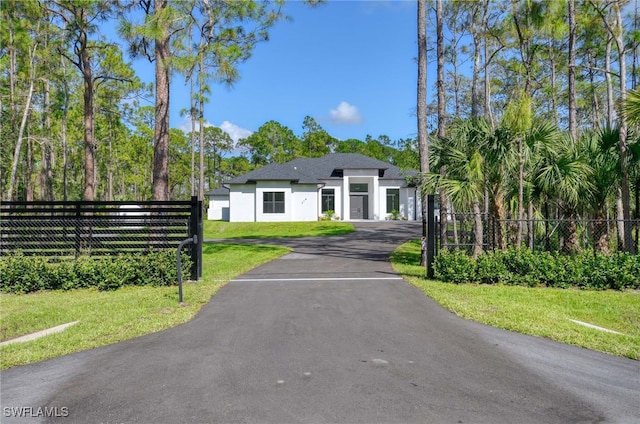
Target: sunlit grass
{"points": [[111, 316], [223, 229], [543, 312]]}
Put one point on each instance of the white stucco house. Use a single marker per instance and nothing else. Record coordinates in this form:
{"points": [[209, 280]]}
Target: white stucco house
{"points": [[218, 204], [353, 186]]}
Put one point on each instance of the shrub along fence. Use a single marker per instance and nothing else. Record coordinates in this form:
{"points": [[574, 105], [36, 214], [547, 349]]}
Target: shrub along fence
{"points": [[69, 230], [524, 267]]}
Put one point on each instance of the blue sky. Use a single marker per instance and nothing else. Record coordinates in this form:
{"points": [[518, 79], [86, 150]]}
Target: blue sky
{"points": [[348, 64]]}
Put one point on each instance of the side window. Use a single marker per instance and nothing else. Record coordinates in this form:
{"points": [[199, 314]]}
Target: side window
{"points": [[328, 199], [273, 202], [393, 199]]}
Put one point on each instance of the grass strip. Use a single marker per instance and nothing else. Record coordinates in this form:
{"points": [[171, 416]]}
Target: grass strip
{"points": [[259, 230], [542, 312], [111, 316]]}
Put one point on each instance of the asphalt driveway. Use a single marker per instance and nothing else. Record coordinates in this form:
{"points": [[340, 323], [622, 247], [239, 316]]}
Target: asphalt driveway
{"points": [[329, 334]]}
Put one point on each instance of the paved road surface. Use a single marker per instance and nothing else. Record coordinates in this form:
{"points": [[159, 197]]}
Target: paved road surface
{"points": [[329, 334]]}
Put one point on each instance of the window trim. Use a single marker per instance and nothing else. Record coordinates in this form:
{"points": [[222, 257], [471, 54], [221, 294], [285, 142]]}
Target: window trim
{"points": [[358, 187], [271, 203], [395, 192], [330, 194]]}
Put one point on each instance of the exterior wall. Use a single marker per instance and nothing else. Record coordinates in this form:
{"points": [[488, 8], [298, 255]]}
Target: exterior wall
{"points": [[218, 208], [303, 202], [266, 186], [300, 201], [407, 199], [242, 203], [360, 176]]}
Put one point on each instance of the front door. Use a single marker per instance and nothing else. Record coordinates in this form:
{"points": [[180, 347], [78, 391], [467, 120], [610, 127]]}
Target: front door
{"points": [[359, 206]]}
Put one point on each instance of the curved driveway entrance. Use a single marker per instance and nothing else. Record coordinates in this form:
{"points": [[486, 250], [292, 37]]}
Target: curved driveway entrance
{"points": [[329, 334]]}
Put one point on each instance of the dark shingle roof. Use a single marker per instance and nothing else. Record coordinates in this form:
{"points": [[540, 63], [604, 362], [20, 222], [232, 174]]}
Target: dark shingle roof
{"points": [[313, 170], [220, 191]]}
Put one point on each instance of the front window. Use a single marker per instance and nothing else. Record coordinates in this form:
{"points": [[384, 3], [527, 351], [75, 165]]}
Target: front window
{"points": [[393, 200], [273, 202], [328, 200], [358, 188]]}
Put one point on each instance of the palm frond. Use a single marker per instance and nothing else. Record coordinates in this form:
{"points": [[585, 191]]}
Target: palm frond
{"points": [[632, 106]]}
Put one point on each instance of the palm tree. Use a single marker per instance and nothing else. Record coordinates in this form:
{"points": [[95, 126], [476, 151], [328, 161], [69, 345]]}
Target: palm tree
{"points": [[565, 176], [518, 118], [601, 147], [536, 139], [464, 181], [500, 157], [632, 113]]}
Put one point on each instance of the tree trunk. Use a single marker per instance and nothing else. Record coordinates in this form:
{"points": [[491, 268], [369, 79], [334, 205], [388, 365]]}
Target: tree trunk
{"points": [[110, 170], [89, 143], [487, 81], [478, 230], [23, 124], [161, 132], [607, 66], [571, 243], [499, 214], [46, 174], [475, 82], [596, 114], [553, 84], [601, 234], [423, 145], [201, 120], [530, 226], [442, 111], [193, 140], [63, 129], [629, 246], [620, 220], [573, 120], [520, 191], [29, 172], [12, 76]]}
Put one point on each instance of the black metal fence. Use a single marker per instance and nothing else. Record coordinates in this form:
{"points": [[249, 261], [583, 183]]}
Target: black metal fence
{"points": [[552, 235], [100, 228]]}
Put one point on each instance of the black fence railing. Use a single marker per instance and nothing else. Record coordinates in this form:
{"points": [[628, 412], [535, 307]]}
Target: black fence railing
{"points": [[100, 228], [551, 235]]}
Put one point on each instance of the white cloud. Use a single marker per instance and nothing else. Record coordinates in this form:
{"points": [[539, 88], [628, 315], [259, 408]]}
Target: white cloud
{"points": [[185, 124], [236, 132], [345, 114]]}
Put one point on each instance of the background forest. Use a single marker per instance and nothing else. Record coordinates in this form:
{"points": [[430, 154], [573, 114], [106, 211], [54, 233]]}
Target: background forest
{"points": [[535, 112]]}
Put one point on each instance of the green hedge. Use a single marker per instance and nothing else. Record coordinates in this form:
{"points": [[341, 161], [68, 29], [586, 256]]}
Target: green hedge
{"points": [[25, 274], [526, 268]]}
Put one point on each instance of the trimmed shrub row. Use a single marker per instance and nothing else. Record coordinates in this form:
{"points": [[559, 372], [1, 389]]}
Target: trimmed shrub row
{"points": [[25, 274], [526, 268]]}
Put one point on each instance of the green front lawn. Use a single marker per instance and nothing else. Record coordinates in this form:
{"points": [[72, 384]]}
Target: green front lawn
{"points": [[258, 230], [111, 316], [543, 312]]}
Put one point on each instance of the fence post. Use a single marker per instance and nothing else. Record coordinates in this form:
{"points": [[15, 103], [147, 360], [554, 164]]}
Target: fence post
{"points": [[195, 231]]}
